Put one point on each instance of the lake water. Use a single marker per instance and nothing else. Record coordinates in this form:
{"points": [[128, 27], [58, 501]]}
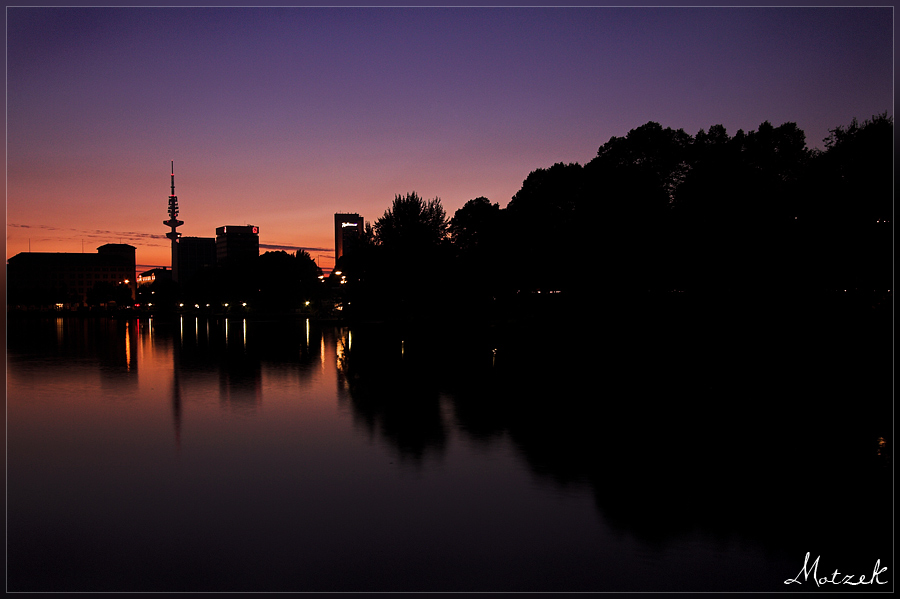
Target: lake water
{"points": [[204, 454]]}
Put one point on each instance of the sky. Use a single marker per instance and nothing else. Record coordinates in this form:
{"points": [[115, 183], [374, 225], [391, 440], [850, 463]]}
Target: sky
{"points": [[280, 117]]}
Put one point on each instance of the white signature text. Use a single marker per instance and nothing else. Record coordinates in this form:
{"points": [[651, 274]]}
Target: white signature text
{"points": [[836, 577]]}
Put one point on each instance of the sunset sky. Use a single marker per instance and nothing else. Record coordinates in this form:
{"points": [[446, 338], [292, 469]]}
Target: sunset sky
{"points": [[280, 117]]}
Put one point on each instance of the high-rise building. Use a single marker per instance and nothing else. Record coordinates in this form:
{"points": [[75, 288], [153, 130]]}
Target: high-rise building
{"points": [[237, 244], [348, 230]]}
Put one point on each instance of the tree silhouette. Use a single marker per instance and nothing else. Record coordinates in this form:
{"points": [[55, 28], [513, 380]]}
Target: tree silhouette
{"points": [[850, 203], [407, 264], [285, 281], [544, 225], [641, 170], [478, 235], [755, 216], [632, 184], [859, 167], [475, 226], [735, 210], [412, 224]]}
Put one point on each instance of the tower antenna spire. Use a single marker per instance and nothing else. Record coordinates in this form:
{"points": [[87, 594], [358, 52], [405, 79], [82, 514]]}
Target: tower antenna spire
{"points": [[174, 223]]}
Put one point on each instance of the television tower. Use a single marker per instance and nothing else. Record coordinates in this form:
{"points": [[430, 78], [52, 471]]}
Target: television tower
{"points": [[174, 223]]}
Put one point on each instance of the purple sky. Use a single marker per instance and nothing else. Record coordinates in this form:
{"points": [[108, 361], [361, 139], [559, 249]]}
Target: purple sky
{"points": [[280, 117]]}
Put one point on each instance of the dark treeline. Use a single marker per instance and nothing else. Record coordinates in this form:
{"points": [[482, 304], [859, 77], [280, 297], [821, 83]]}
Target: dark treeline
{"points": [[725, 218], [747, 215]]}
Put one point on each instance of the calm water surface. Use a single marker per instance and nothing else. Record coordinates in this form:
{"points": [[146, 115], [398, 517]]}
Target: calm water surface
{"points": [[199, 454]]}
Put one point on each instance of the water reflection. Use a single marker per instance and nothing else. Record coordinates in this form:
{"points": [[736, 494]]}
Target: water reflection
{"points": [[669, 431], [176, 407], [390, 396]]}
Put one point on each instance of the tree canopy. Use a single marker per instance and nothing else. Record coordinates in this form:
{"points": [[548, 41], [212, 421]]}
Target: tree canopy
{"points": [[412, 223], [655, 210]]}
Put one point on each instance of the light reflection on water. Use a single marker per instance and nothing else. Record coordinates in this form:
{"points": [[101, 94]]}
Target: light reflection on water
{"points": [[231, 455]]}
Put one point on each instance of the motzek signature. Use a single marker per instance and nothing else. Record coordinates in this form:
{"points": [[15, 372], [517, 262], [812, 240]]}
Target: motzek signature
{"points": [[836, 577]]}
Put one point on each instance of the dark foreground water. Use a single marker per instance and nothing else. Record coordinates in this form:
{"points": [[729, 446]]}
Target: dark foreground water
{"points": [[196, 454]]}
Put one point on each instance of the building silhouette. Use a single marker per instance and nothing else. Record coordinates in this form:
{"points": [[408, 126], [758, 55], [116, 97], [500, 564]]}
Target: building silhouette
{"points": [[232, 245], [149, 277], [237, 244], [194, 255], [47, 279], [348, 230]]}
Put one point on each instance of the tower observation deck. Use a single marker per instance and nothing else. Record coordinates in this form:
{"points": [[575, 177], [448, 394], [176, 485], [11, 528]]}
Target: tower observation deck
{"points": [[174, 223]]}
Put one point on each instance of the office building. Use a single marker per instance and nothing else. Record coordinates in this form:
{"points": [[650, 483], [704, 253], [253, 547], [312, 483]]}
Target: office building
{"points": [[237, 244], [45, 279], [348, 230]]}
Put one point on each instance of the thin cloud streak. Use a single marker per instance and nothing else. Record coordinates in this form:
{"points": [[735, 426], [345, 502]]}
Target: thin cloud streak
{"points": [[294, 248], [133, 236], [139, 236]]}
